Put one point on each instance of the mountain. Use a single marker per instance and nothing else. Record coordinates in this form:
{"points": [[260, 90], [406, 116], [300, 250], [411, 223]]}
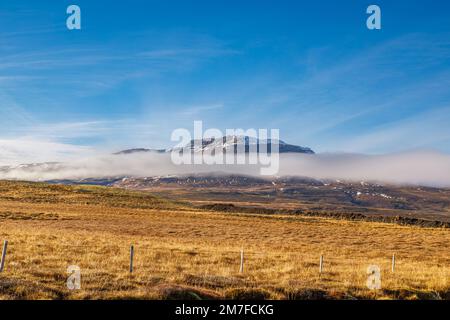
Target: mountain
{"points": [[139, 150], [314, 196], [30, 167], [234, 144], [227, 143], [238, 144]]}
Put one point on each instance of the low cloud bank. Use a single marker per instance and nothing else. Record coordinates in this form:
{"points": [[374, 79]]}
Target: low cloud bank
{"points": [[420, 168]]}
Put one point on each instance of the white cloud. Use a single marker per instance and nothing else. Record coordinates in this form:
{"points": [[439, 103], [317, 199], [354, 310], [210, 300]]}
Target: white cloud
{"points": [[195, 110], [419, 131], [423, 168], [27, 150]]}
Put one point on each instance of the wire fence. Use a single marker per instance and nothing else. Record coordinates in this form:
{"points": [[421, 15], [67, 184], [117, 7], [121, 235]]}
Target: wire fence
{"points": [[249, 267]]}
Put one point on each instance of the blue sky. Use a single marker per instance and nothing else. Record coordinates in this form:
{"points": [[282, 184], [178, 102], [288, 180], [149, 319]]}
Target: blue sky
{"points": [[139, 69]]}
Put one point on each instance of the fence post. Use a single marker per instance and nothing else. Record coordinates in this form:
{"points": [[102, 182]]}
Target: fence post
{"points": [[393, 263], [131, 258], [2, 263], [241, 269], [321, 264]]}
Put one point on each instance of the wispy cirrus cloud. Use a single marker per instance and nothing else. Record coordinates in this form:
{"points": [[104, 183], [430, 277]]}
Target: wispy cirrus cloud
{"points": [[177, 53], [87, 70], [198, 110], [131, 83], [30, 150], [339, 97], [423, 130], [37, 83]]}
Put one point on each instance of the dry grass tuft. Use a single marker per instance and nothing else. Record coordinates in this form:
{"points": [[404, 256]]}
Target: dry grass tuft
{"points": [[184, 253]]}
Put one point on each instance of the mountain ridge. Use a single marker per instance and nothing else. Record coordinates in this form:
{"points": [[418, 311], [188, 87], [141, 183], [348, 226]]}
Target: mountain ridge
{"points": [[228, 143]]}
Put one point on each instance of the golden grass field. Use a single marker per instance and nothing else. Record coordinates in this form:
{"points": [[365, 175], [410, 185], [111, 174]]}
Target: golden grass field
{"points": [[183, 252]]}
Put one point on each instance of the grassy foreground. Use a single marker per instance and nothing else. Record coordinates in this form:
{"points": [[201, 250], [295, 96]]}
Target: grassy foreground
{"points": [[182, 252]]}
